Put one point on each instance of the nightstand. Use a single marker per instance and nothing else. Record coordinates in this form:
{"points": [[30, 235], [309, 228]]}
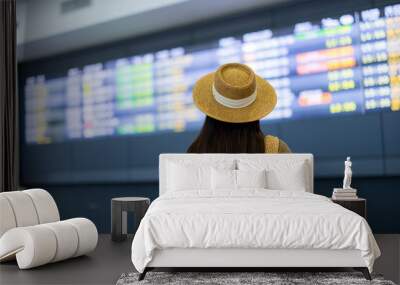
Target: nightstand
{"points": [[119, 210], [358, 206]]}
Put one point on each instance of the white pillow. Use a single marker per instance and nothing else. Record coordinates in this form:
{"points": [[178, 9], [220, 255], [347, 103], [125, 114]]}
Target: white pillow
{"points": [[288, 174], [188, 177], [293, 180], [225, 179], [251, 178], [193, 174]]}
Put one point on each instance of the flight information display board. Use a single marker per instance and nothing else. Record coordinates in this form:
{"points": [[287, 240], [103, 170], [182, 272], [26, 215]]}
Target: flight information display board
{"points": [[348, 64]]}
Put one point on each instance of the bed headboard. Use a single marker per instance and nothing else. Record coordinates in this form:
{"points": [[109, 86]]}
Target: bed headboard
{"points": [[165, 158]]}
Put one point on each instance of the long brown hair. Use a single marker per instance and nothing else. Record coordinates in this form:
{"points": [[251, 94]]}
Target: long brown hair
{"points": [[222, 137]]}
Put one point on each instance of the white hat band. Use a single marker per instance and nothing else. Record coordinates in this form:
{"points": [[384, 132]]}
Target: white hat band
{"points": [[233, 103]]}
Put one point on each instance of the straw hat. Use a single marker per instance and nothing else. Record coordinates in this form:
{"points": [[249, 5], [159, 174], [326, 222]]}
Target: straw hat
{"points": [[234, 93]]}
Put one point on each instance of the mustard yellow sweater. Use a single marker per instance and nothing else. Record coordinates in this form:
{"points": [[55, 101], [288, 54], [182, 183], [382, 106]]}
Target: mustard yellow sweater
{"points": [[275, 145]]}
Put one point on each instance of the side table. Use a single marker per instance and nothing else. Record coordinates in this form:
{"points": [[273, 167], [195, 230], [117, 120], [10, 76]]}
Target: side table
{"points": [[358, 206], [119, 208]]}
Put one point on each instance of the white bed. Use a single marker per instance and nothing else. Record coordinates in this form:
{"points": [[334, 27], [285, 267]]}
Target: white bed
{"points": [[248, 227]]}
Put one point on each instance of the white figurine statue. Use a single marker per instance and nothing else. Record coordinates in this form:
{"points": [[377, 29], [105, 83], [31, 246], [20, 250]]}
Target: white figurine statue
{"points": [[347, 174]]}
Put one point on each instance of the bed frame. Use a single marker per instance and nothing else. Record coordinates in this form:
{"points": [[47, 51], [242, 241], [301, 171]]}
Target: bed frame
{"points": [[245, 259]]}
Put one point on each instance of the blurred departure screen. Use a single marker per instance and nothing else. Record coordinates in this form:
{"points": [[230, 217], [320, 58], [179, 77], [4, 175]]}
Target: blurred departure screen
{"points": [[349, 64]]}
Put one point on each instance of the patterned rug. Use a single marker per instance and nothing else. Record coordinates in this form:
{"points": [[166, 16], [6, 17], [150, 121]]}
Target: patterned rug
{"points": [[243, 278]]}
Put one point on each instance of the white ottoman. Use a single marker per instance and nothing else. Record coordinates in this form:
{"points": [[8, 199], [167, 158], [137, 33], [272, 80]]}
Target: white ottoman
{"points": [[31, 232]]}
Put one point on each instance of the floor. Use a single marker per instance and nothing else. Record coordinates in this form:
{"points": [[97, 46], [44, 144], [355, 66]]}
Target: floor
{"points": [[104, 266], [110, 260], [389, 262]]}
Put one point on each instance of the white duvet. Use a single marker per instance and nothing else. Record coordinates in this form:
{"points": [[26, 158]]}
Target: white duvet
{"points": [[250, 219]]}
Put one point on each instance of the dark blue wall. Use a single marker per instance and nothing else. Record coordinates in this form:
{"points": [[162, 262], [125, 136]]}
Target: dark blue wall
{"points": [[84, 175], [93, 201], [372, 140]]}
